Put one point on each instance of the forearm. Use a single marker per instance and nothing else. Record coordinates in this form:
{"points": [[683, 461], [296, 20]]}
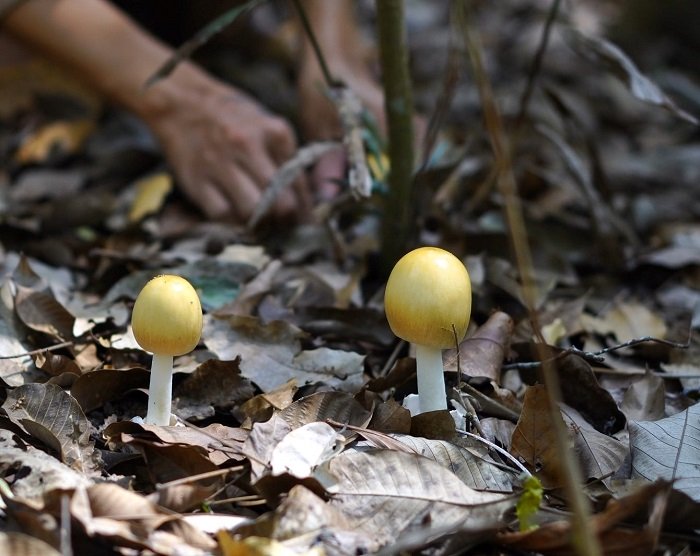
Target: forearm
{"points": [[105, 48], [335, 27]]}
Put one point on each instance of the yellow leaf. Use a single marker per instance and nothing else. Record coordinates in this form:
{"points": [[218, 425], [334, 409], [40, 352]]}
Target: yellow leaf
{"points": [[257, 546], [66, 137], [379, 166], [150, 195]]}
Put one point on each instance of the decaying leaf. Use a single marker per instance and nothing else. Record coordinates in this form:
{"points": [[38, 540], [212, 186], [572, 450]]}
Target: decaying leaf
{"points": [[386, 493], [54, 417]]}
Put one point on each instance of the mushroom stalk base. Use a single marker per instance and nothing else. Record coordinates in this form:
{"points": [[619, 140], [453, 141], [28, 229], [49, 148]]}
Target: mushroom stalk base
{"points": [[160, 390], [431, 379]]}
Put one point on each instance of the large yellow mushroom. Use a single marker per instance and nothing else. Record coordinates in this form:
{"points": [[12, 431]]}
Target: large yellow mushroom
{"points": [[428, 302], [167, 321]]}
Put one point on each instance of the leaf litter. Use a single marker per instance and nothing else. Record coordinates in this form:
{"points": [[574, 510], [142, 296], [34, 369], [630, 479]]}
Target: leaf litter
{"points": [[293, 438]]}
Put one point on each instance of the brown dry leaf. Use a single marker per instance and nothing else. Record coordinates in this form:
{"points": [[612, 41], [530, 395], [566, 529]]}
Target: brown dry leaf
{"points": [[54, 364], [92, 390], [534, 439], [271, 354], [482, 353], [129, 519], [645, 399], [48, 413], [581, 390], [221, 443], [261, 442], [19, 544], [40, 472], [40, 311], [304, 521], [261, 407], [474, 467], [63, 137], [600, 455], [384, 493], [151, 192], [213, 385], [627, 321], [321, 406], [390, 416]]}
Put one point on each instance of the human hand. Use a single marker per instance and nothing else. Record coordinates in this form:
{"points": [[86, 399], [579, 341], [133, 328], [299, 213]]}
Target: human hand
{"points": [[225, 148], [320, 121]]}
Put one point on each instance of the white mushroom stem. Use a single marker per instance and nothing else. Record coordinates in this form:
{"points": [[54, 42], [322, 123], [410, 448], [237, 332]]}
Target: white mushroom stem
{"points": [[160, 390], [431, 379]]}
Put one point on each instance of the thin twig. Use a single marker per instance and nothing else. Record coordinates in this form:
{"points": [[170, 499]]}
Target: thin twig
{"points": [[595, 356], [585, 540], [498, 449], [200, 38], [200, 476], [537, 63], [331, 81], [39, 351]]}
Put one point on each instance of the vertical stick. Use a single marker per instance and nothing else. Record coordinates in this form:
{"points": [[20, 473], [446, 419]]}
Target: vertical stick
{"points": [[398, 104]]}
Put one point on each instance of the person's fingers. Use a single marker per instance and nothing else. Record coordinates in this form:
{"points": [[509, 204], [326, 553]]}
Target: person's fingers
{"points": [[327, 173], [279, 140], [240, 190], [262, 170], [212, 201]]}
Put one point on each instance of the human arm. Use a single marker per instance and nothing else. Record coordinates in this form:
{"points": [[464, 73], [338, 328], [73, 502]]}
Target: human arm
{"points": [[348, 56], [223, 146]]}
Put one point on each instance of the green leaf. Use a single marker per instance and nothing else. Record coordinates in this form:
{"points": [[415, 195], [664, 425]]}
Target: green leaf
{"points": [[529, 503]]}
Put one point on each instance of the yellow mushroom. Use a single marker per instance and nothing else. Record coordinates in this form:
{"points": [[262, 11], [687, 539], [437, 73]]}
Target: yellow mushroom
{"points": [[167, 321], [428, 302]]}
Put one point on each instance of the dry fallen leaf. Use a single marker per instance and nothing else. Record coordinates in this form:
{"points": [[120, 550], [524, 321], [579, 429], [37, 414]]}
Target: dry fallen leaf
{"points": [[534, 439]]}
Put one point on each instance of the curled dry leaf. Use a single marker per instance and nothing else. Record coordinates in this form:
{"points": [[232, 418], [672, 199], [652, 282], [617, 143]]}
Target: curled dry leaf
{"points": [[40, 311], [166, 461], [482, 353], [40, 472]]}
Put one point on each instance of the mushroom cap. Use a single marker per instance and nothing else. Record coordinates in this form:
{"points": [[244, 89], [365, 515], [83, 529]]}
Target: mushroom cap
{"points": [[167, 316], [428, 293]]}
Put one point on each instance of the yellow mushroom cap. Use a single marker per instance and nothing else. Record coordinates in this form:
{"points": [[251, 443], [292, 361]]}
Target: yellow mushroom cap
{"points": [[428, 292], [167, 316]]}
